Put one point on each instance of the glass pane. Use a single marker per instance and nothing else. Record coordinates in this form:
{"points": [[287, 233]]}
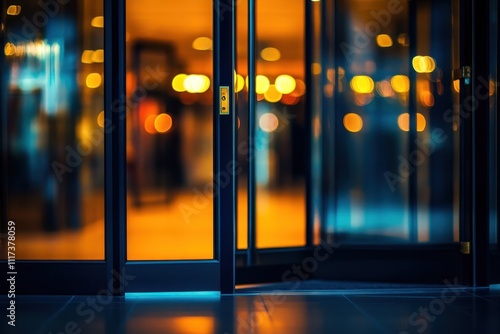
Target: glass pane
{"points": [[395, 135], [318, 178], [280, 153], [169, 130], [242, 109], [435, 154], [52, 121], [280, 147]]}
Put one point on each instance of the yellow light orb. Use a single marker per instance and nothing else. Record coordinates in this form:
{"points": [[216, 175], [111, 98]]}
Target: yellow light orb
{"points": [[93, 80], [261, 84], [87, 56], [239, 83], [285, 84], [362, 84], [196, 83], [97, 22], [178, 82], [270, 54], [423, 64], [202, 43], [98, 56]]}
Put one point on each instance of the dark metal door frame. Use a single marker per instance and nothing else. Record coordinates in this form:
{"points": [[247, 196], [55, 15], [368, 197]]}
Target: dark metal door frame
{"points": [[115, 275], [436, 262], [201, 275]]}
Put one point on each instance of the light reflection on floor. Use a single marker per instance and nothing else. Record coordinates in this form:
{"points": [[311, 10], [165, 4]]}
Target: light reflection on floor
{"points": [[361, 311], [173, 231]]}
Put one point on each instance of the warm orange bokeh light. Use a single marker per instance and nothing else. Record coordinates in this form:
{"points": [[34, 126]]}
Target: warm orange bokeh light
{"points": [[14, 10], [100, 119], [404, 122], [149, 124], [427, 99], [97, 22], [423, 64], [272, 94], [163, 123], [353, 122], [300, 88], [290, 100], [384, 40], [421, 122], [400, 83], [270, 54]]}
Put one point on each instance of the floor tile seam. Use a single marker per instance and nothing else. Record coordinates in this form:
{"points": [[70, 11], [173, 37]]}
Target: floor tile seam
{"points": [[370, 318], [55, 315]]}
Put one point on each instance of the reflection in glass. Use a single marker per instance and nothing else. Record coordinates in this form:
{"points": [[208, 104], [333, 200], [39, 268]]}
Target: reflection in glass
{"points": [[169, 130], [241, 92], [52, 96], [280, 153], [391, 155], [280, 144]]}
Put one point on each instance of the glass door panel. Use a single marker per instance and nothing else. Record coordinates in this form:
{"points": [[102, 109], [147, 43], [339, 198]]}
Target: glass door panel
{"points": [[169, 131], [280, 125], [277, 200], [395, 135], [53, 127], [374, 147]]}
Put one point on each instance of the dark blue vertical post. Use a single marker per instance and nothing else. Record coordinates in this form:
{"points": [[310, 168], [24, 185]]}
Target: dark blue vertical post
{"points": [[412, 110], [466, 188], [252, 101], [225, 163], [308, 56], [480, 126], [115, 108]]}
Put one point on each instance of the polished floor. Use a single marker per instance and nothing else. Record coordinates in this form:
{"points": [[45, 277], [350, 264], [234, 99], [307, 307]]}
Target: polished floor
{"points": [[443, 309]]}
